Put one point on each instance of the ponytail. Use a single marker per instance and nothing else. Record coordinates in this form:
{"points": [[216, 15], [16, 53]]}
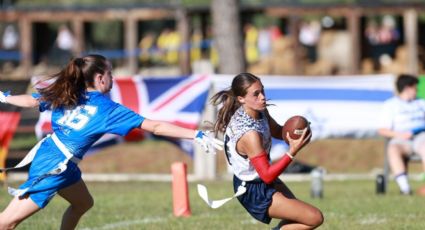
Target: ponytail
{"points": [[230, 105], [69, 86]]}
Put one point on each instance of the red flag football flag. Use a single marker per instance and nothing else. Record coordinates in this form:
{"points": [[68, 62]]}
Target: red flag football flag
{"points": [[9, 122]]}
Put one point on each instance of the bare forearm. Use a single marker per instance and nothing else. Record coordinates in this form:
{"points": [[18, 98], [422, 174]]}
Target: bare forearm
{"points": [[167, 129], [388, 133], [22, 101]]}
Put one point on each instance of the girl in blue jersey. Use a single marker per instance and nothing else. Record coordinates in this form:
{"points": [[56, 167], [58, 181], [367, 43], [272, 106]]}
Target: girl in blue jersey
{"points": [[248, 128], [81, 114]]}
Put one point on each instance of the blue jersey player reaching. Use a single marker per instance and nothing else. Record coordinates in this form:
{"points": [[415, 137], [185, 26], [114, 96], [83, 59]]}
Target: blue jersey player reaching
{"points": [[81, 114]]}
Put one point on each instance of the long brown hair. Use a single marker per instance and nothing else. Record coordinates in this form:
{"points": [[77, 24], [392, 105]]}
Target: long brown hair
{"points": [[228, 98], [71, 82]]}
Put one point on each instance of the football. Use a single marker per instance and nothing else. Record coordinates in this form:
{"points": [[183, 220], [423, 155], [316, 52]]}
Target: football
{"points": [[294, 126]]}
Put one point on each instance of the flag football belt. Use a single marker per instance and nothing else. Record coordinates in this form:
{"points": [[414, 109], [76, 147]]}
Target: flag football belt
{"points": [[61, 167], [30, 156], [203, 193]]}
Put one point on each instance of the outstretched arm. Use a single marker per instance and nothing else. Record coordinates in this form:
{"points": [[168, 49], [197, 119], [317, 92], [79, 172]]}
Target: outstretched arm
{"points": [[19, 100], [163, 128]]}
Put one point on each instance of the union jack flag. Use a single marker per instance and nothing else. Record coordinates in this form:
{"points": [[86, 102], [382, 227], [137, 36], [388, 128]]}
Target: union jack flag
{"points": [[178, 100]]}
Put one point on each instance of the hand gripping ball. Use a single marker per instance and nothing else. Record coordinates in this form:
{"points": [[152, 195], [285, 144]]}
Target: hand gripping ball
{"points": [[294, 126]]}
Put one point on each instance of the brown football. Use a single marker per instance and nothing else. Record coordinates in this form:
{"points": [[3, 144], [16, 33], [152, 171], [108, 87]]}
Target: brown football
{"points": [[294, 125]]}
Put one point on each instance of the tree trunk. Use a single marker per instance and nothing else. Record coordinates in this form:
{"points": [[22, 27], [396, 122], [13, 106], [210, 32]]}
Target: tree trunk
{"points": [[228, 36]]}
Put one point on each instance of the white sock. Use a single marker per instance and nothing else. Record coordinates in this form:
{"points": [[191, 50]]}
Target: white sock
{"points": [[403, 182]]}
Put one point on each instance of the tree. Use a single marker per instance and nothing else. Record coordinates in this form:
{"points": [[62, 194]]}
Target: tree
{"points": [[228, 36]]}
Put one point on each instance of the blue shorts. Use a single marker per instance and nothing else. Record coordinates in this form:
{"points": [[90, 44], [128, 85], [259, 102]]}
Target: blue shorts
{"points": [[257, 198], [41, 187]]}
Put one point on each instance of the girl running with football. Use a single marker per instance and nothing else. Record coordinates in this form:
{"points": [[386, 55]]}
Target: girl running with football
{"points": [[81, 114], [248, 128]]}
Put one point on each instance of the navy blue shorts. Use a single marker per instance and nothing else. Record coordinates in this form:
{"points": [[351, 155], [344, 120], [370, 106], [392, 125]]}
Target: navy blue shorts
{"points": [[257, 198]]}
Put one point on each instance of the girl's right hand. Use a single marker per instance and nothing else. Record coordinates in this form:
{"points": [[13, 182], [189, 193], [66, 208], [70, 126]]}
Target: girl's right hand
{"points": [[295, 145]]}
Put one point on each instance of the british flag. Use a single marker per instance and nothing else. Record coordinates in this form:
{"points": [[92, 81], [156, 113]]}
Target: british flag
{"points": [[178, 100]]}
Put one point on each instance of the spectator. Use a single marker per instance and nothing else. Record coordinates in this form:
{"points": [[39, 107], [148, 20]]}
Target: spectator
{"points": [[146, 46], [309, 37], [403, 122], [251, 38], [196, 45], [10, 38], [382, 40], [65, 39], [264, 42], [63, 47]]}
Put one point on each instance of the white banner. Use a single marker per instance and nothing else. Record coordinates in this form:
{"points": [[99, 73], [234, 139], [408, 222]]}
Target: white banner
{"points": [[337, 107]]}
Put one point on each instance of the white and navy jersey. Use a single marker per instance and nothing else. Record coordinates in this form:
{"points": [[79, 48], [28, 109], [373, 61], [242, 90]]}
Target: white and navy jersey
{"points": [[401, 115], [80, 127], [239, 124]]}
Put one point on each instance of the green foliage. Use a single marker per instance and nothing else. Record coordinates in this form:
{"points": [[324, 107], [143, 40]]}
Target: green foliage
{"points": [[148, 205], [107, 35], [421, 87]]}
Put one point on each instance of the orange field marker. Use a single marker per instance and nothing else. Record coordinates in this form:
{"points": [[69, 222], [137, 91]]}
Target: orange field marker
{"points": [[181, 206]]}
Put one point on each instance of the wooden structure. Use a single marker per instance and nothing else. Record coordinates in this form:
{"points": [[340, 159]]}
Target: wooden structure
{"points": [[353, 15], [131, 16], [77, 18]]}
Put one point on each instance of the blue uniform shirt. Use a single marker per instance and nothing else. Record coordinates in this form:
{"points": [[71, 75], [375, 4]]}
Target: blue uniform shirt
{"points": [[80, 127]]}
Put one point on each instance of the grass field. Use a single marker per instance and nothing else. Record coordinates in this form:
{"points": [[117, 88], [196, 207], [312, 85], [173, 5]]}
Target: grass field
{"points": [[148, 205]]}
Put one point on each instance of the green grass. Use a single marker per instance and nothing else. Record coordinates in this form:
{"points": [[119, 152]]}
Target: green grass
{"points": [[148, 205], [23, 141]]}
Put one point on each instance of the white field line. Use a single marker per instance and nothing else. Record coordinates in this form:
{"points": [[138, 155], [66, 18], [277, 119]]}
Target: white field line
{"points": [[373, 220], [123, 177], [128, 223], [149, 220]]}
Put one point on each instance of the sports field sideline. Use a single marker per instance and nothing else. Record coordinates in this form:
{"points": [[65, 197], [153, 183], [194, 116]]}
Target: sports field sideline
{"points": [[347, 204]]}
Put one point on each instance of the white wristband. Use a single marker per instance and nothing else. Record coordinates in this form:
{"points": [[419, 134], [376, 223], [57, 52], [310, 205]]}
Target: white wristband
{"points": [[289, 155]]}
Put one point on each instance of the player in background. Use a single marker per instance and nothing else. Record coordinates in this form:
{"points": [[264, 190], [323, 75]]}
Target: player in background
{"points": [[81, 114], [248, 129], [403, 122]]}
